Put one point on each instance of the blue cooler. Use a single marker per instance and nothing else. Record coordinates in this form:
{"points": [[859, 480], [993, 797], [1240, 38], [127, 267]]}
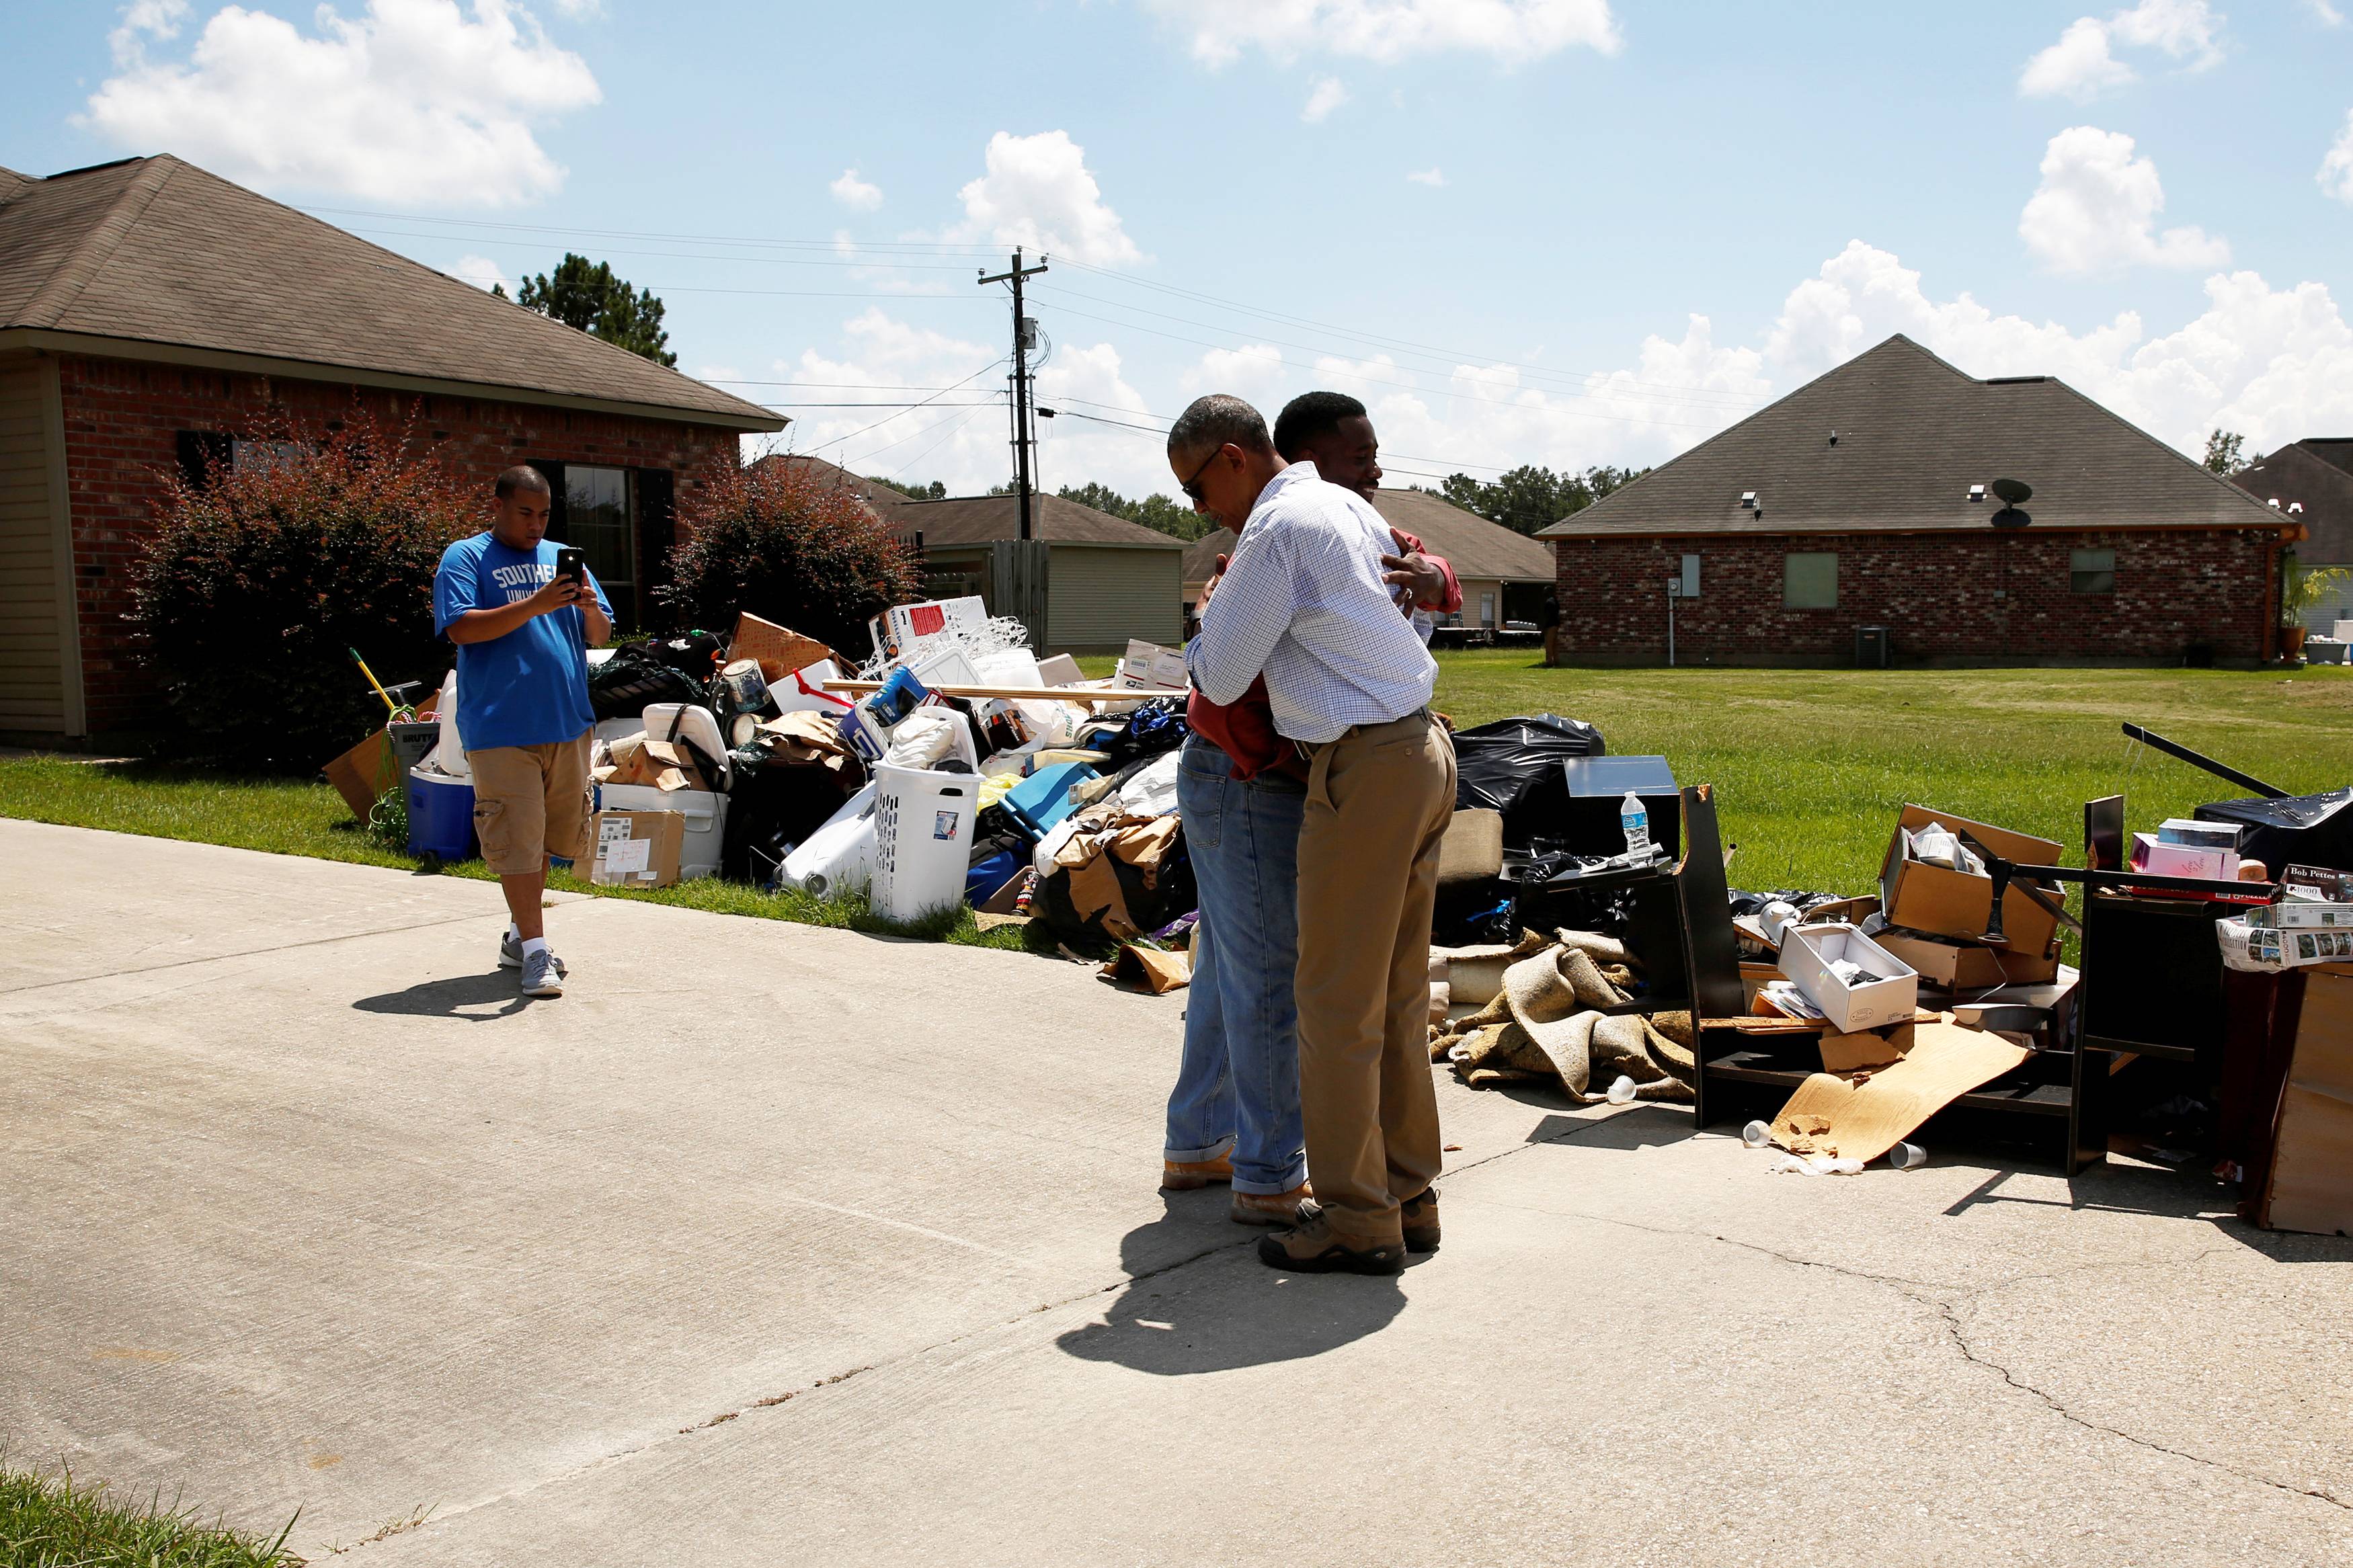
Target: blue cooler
{"points": [[441, 816]]}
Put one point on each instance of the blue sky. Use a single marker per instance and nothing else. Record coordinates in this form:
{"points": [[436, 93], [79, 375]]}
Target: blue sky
{"points": [[1555, 231]]}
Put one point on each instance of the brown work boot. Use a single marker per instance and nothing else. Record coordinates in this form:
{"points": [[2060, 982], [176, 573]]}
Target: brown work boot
{"points": [[1311, 1248], [1271, 1208], [1185, 1175], [1420, 1216]]}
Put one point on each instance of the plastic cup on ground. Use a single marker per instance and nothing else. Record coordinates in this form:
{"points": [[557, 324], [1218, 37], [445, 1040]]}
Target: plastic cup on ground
{"points": [[1622, 1091], [1906, 1156], [1757, 1134]]}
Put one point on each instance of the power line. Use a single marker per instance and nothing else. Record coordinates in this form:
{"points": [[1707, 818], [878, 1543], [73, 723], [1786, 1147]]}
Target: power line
{"points": [[853, 435]]}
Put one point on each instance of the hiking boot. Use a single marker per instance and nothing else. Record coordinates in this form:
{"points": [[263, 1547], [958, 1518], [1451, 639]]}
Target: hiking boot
{"points": [[509, 952], [1420, 1216], [1272, 1209], [1185, 1175], [1311, 1248], [543, 974]]}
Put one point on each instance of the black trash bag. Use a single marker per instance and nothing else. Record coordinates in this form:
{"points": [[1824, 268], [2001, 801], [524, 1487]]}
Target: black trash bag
{"points": [[772, 807], [1156, 727], [1512, 765], [2294, 830], [1475, 912], [694, 654], [630, 681], [1172, 893]]}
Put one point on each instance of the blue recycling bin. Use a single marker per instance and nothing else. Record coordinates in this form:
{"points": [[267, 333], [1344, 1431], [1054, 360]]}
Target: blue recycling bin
{"points": [[441, 816]]}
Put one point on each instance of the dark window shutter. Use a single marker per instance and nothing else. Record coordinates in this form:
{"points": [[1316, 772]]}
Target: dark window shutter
{"points": [[656, 532], [553, 472], [204, 454]]}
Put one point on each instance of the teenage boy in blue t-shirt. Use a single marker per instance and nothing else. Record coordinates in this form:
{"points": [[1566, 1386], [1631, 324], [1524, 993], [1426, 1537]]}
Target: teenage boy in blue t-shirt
{"points": [[522, 635]]}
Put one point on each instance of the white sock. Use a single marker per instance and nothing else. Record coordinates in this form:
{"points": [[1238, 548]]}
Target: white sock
{"points": [[532, 946], [514, 931]]}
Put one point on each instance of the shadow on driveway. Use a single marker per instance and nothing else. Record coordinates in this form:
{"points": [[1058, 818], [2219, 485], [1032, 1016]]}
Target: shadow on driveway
{"points": [[1233, 1316], [467, 997]]}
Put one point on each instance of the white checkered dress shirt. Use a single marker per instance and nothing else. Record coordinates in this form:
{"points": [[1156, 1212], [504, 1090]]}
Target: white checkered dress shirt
{"points": [[1302, 603]]}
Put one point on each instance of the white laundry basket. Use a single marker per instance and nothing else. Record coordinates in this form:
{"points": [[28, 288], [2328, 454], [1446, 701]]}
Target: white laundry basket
{"points": [[922, 839]]}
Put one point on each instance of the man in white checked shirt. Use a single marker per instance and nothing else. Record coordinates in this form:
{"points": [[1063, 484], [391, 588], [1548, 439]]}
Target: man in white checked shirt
{"points": [[1304, 603]]}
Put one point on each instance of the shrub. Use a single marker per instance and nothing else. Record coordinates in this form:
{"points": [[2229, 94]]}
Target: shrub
{"points": [[779, 541], [259, 581]]}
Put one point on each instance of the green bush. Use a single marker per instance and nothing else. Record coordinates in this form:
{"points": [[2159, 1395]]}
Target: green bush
{"points": [[783, 542], [259, 581]]}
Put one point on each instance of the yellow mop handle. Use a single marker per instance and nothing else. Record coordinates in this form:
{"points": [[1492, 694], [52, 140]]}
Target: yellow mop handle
{"points": [[390, 707]]}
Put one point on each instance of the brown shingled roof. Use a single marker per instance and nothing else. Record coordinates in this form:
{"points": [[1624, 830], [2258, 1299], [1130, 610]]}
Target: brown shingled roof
{"points": [[154, 253], [1914, 434], [983, 519], [1473, 546], [2318, 474]]}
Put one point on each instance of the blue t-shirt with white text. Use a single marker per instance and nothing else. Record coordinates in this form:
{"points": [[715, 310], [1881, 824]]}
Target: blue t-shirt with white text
{"points": [[529, 688]]}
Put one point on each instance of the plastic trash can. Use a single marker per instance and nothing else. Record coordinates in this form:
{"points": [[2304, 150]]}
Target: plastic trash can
{"points": [[922, 839], [441, 816]]}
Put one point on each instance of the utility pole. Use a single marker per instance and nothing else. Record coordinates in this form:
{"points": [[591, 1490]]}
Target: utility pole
{"points": [[1025, 333]]}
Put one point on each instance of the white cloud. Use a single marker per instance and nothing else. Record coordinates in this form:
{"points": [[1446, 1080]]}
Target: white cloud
{"points": [[1511, 31], [2336, 169], [855, 193], [410, 100], [2082, 65], [1328, 94], [1251, 372], [1039, 192], [2096, 210], [482, 273], [1427, 176], [2324, 13]]}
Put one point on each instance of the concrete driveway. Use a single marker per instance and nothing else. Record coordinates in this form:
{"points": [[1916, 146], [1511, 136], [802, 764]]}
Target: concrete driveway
{"points": [[770, 1244]]}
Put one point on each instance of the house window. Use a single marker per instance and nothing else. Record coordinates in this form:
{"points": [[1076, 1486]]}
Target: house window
{"points": [[1809, 580], [1486, 609], [2090, 571], [598, 521]]}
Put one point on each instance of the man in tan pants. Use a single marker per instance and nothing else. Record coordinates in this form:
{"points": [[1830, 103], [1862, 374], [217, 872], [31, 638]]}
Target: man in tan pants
{"points": [[1305, 605]]}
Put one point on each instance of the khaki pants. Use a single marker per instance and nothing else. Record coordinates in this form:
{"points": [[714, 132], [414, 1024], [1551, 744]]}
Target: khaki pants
{"points": [[1379, 800], [531, 801]]}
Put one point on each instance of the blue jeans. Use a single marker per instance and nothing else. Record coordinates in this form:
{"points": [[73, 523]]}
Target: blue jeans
{"points": [[1238, 1086]]}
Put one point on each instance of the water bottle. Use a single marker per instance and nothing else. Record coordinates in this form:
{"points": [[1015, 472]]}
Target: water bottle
{"points": [[1636, 821]]}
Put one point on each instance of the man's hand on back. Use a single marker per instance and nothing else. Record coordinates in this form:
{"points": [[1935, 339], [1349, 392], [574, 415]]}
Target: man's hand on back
{"points": [[1416, 573]]}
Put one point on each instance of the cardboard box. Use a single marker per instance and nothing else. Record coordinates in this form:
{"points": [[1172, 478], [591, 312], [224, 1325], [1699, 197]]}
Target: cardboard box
{"points": [[2310, 1184], [1965, 966], [2198, 835], [779, 650], [1941, 901], [1807, 954], [2302, 917], [362, 774], [2159, 858], [635, 848], [1149, 664]]}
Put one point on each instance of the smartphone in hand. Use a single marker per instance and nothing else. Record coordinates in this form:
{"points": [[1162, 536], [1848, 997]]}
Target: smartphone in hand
{"points": [[570, 562]]}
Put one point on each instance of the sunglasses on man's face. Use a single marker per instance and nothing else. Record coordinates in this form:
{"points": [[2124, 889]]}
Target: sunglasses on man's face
{"points": [[1192, 487]]}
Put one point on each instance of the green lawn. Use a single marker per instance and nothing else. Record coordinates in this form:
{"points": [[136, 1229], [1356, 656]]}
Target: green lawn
{"points": [[1809, 766], [52, 1523]]}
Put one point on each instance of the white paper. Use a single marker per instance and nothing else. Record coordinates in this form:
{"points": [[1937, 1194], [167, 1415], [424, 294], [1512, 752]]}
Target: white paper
{"points": [[628, 855]]}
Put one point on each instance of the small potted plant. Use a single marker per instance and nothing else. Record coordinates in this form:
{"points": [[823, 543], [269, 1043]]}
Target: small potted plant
{"points": [[2302, 588]]}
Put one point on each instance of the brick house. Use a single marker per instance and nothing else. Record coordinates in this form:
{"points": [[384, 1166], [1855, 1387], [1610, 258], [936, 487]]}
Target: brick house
{"points": [[1865, 498], [2312, 481], [155, 318]]}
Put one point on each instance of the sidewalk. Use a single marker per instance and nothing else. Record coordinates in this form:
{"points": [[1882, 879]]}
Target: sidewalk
{"points": [[776, 1244]]}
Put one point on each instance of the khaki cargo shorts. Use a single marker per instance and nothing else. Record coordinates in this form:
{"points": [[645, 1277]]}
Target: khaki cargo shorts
{"points": [[531, 801]]}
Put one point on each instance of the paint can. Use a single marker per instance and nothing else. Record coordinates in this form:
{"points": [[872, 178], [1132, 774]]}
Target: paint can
{"points": [[743, 689]]}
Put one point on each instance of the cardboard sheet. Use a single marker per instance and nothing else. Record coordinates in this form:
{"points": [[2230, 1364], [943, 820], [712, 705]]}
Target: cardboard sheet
{"points": [[2310, 1185], [779, 650], [1829, 1115], [1154, 968]]}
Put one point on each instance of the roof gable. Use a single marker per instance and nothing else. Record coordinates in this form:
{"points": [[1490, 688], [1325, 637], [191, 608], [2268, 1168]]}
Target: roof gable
{"points": [[156, 251], [1893, 440], [985, 520], [2302, 474]]}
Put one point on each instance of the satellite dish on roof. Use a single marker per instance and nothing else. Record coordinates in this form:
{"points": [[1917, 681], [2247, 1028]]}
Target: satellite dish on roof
{"points": [[2012, 492]]}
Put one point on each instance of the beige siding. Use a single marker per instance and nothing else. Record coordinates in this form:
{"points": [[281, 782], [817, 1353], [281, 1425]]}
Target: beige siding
{"points": [[34, 660], [1100, 597]]}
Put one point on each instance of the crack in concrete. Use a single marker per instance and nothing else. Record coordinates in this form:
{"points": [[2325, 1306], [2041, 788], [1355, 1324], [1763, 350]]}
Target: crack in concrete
{"points": [[247, 952]]}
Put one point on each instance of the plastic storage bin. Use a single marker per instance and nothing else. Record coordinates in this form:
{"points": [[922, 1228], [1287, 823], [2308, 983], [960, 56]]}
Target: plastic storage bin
{"points": [[705, 810], [1043, 799], [441, 816], [922, 839]]}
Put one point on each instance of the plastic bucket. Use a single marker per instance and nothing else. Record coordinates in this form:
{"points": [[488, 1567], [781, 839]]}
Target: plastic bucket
{"points": [[441, 816], [922, 839]]}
